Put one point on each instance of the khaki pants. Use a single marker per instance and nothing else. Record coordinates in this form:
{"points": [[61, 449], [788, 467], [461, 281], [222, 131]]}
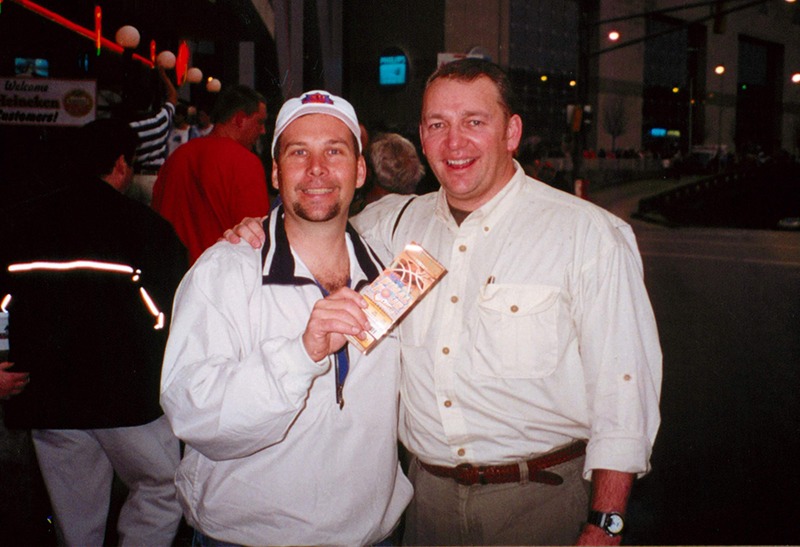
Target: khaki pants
{"points": [[444, 512]]}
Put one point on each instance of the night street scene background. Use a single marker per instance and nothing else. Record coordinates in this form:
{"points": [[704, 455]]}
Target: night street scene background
{"points": [[682, 118]]}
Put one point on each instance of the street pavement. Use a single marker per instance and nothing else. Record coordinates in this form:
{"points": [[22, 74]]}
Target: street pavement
{"points": [[727, 303]]}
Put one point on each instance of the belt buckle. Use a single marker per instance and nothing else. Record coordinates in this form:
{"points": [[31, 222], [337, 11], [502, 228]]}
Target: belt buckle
{"points": [[464, 476]]}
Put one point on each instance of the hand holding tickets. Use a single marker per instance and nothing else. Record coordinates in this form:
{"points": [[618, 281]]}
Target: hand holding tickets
{"points": [[412, 274]]}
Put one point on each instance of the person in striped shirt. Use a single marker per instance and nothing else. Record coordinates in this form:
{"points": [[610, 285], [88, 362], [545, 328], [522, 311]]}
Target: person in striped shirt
{"points": [[153, 131]]}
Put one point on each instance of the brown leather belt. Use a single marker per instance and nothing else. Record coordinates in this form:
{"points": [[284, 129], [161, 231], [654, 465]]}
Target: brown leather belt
{"points": [[468, 474]]}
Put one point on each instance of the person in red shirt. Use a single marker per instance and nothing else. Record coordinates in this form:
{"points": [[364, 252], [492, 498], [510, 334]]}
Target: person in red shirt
{"points": [[209, 184]]}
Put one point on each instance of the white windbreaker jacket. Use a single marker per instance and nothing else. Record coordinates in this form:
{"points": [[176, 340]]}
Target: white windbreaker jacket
{"points": [[271, 459]]}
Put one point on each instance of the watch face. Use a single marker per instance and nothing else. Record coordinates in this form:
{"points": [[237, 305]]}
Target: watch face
{"points": [[614, 523]]}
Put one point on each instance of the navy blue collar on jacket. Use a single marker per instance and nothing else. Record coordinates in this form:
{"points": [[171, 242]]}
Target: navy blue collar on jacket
{"points": [[282, 266]]}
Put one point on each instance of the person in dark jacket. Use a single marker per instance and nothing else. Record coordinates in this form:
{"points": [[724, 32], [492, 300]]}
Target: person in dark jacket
{"points": [[91, 276]]}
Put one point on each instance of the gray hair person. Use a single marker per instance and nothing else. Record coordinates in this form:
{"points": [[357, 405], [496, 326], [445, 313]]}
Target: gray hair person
{"points": [[395, 163]]}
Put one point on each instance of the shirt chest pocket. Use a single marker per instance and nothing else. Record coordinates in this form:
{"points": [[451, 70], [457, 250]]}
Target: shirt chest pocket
{"points": [[517, 331]]}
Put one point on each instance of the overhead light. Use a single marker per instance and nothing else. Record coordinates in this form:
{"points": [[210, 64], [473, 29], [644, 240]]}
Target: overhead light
{"points": [[213, 85], [128, 37], [194, 75], [613, 35], [166, 59]]}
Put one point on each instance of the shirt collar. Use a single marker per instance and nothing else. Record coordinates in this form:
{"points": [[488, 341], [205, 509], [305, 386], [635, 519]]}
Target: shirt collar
{"points": [[280, 267], [491, 212]]}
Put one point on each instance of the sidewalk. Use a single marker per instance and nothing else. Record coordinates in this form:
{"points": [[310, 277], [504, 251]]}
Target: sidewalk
{"points": [[622, 200]]}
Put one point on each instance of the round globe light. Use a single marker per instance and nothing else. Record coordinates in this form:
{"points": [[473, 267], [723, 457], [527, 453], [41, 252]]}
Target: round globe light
{"points": [[213, 85], [194, 75], [128, 37], [166, 59]]}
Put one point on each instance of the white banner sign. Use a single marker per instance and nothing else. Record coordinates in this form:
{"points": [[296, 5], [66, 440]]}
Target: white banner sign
{"points": [[47, 102]]}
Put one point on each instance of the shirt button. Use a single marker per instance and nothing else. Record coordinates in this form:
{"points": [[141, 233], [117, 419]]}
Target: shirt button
{"points": [[462, 248], [453, 299], [514, 309], [448, 404], [461, 451], [485, 228], [445, 350]]}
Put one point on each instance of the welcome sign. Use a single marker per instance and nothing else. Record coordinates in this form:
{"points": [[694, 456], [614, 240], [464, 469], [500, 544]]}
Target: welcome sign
{"points": [[47, 102]]}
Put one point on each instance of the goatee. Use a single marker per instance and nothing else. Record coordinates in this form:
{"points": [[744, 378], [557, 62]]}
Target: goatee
{"points": [[320, 216]]}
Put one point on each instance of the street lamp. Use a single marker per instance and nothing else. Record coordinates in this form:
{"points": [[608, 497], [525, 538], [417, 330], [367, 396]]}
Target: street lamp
{"points": [[128, 37], [213, 85], [166, 59], [194, 75]]}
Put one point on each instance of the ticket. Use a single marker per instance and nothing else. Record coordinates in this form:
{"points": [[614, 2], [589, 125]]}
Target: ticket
{"points": [[395, 291]]}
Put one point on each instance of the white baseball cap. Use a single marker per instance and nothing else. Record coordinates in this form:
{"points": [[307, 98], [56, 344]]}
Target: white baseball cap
{"points": [[316, 102]]}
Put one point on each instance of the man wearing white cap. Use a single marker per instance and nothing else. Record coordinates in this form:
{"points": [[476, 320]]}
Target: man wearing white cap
{"points": [[290, 438]]}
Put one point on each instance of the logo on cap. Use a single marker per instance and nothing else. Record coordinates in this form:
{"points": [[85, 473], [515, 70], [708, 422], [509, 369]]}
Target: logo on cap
{"points": [[316, 98]]}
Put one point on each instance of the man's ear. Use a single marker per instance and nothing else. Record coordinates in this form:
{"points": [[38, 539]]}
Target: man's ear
{"points": [[239, 118], [118, 175], [275, 183], [120, 166], [514, 132], [361, 171]]}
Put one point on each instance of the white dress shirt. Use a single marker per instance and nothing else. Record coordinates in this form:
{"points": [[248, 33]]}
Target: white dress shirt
{"points": [[271, 459], [540, 334]]}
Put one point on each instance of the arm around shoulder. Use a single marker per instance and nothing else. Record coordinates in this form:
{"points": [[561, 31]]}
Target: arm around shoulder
{"points": [[378, 221]]}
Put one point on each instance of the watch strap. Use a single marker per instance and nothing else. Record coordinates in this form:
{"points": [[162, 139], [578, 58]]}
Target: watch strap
{"points": [[604, 521]]}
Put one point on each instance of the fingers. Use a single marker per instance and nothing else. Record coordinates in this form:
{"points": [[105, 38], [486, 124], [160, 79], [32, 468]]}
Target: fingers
{"points": [[253, 231], [250, 229], [346, 299], [19, 378], [332, 317], [230, 236], [346, 293], [11, 383], [17, 387]]}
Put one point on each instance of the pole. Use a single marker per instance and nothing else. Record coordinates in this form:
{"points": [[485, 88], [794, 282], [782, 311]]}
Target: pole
{"points": [[691, 105], [578, 137], [719, 124]]}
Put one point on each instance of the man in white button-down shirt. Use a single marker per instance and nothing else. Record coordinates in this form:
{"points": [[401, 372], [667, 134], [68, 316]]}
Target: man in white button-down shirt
{"points": [[539, 343]]}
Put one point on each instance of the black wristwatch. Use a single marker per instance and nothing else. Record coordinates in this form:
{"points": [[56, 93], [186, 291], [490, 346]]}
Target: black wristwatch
{"points": [[611, 523]]}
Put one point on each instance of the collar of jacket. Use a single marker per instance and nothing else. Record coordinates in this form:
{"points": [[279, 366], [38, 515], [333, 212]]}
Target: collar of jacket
{"points": [[276, 253]]}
